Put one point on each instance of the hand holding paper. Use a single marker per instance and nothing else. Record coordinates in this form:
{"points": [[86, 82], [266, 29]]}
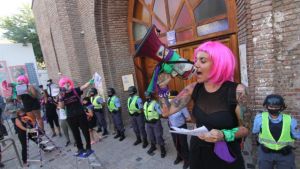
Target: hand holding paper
{"points": [[195, 132]]}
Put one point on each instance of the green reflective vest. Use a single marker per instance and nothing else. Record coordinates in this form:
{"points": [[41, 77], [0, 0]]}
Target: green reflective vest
{"points": [[95, 103], [266, 138], [131, 104], [111, 104], [150, 113]]}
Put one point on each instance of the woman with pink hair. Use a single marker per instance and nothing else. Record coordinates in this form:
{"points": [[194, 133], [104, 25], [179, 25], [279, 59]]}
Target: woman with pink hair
{"points": [[30, 99], [217, 106], [70, 99]]}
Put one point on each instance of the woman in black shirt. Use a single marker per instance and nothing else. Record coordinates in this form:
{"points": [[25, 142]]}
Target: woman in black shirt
{"points": [[217, 106]]}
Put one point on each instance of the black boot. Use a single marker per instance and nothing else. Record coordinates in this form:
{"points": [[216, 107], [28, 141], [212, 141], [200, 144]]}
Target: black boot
{"points": [[105, 132], [151, 149], [145, 143], [117, 135], [162, 151], [138, 140], [122, 136]]}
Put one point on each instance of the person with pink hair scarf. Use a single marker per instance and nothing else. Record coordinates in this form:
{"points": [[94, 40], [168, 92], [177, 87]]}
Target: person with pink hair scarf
{"points": [[30, 100], [70, 99], [218, 104]]}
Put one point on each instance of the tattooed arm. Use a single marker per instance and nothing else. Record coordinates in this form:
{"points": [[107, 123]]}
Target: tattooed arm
{"points": [[179, 102], [241, 96]]}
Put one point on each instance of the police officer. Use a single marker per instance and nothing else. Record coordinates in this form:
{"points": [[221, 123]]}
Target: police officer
{"points": [[114, 107], [97, 102], [179, 120], [135, 106], [154, 128], [277, 134]]}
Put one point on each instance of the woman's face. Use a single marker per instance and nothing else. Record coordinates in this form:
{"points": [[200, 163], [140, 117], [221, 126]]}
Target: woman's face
{"points": [[20, 82], [203, 65]]}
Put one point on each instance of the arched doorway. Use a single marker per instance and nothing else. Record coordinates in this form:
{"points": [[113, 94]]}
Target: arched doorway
{"points": [[194, 21]]}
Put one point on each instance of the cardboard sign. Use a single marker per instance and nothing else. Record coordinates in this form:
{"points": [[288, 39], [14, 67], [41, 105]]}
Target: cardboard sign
{"points": [[21, 89]]}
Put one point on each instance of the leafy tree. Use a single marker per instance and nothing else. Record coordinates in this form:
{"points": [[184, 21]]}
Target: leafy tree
{"points": [[20, 28]]}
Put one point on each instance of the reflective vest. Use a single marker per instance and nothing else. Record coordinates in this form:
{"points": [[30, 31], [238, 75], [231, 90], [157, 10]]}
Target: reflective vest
{"points": [[111, 104], [266, 138], [131, 104], [95, 103], [150, 113]]}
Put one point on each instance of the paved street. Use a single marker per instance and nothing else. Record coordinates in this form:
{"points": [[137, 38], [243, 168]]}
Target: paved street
{"points": [[112, 154]]}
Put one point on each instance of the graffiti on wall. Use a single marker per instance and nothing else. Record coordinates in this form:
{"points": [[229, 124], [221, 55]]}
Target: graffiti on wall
{"points": [[16, 71]]}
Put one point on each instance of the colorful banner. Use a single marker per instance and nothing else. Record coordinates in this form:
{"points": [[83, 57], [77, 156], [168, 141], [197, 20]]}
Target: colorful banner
{"points": [[4, 77], [16, 71]]}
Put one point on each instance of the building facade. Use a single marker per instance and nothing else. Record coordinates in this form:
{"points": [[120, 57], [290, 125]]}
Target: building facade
{"points": [[81, 37]]}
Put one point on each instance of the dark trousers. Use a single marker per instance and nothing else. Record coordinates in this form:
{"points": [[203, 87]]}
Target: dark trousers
{"points": [[270, 160], [181, 145], [101, 121], [81, 122], [117, 120], [53, 120], [155, 132], [23, 141], [13, 120], [138, 124]]}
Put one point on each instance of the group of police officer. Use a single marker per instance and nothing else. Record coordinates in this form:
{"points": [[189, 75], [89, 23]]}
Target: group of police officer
{"points": [[145, 118]]}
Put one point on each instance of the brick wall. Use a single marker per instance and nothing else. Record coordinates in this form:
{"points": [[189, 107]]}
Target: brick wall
{"points": [[269, 29], [112, 36]]}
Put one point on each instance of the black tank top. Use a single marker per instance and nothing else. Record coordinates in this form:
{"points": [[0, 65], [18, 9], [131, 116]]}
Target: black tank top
{"points": [[215, 110], [28, 100]]}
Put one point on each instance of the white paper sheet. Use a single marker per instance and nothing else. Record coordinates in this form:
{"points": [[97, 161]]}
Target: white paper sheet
{"points": [[194, 132]]}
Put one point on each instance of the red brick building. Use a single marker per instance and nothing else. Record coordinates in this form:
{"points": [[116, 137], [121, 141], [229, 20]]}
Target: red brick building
{"points": [[80, 37]]}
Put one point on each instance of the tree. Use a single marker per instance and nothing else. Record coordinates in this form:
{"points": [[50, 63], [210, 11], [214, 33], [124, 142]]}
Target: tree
{"points": [[20, 28]]}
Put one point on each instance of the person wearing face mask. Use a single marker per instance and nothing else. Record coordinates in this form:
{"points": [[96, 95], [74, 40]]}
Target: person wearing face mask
{"points": [[218, 104], [179, 120], [114, 107], [30, 99], [98, 102], [135, 108], [69, 99], [277, 133], [154, 128]]}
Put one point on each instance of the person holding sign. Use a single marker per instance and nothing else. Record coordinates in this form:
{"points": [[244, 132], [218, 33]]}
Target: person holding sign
{"points": [[30, 98], [69, 99], [218, 102]]}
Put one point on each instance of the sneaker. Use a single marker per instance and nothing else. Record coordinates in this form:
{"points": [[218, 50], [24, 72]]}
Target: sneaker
{"points": [[177, 161], [87, 153], [185, 165], [105, 133], [79, 153], [60, 135], [54, 135], [67, 143], [1, 165]]}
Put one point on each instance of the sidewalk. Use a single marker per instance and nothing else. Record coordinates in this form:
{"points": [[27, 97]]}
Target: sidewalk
{"points": [[112, 153]]}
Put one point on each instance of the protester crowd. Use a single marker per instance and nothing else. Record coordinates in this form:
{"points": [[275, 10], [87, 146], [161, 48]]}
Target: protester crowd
{"points": [[218, 104]]}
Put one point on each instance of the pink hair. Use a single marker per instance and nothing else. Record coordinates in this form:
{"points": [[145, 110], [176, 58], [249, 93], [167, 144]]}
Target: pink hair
{"points": [[65, 80], [223, 61], [23, 78]]}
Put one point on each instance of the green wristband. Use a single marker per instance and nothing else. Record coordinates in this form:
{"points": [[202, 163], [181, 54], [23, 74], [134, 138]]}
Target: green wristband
{"points": [[91, 81], [229, 135]]}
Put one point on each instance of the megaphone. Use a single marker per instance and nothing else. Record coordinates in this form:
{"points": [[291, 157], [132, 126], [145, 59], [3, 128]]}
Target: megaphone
{"points": [[169, 61]]}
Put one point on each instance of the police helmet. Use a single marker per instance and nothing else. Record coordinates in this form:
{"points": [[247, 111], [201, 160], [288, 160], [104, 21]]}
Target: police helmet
{"points": [[93, 90], [274, 100], [111, 91], [132, 90]]}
